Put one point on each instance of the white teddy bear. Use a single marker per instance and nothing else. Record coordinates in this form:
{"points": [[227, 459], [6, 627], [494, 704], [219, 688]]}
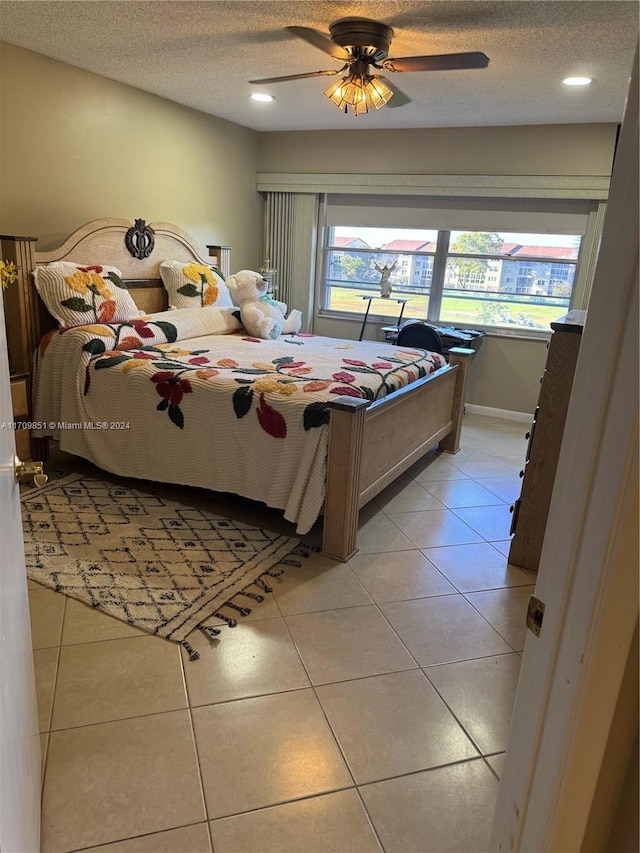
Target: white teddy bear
{"points": [[261, 315]]}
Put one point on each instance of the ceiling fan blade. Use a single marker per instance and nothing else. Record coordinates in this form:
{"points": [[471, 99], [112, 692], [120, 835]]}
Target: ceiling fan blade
{"points": [[399, 99], [320, 41], [298, 76], [443, 62]]}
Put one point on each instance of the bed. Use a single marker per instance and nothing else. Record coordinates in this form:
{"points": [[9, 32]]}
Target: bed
{"points": [[306, 424]]}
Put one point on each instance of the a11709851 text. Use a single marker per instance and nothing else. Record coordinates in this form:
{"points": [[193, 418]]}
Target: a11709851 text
{"points": [[63, 425]]}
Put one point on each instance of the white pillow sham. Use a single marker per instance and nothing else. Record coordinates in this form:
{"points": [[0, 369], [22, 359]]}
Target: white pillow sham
{"points": [[192, 285], [81, 294]]}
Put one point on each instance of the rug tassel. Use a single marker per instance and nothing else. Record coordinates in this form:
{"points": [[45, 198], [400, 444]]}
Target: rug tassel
{"points": [[263, 585], [193, 654], [209, 631], [273, 574], [252, 595], [303, 551], [230, 622], [243, 611]]}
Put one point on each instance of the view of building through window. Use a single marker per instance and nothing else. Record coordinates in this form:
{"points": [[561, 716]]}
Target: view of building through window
{"points": [[462, 278]]}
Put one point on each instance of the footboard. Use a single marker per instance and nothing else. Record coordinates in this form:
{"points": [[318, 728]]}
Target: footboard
{"points": [[371, 444]]}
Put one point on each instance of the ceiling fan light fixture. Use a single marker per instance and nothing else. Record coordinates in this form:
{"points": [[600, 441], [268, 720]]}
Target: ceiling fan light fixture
{"points": [[577, 81], [361, 92], [262, 97]]}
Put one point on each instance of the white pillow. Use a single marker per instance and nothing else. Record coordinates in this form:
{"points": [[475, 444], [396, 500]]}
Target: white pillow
{"points": [[194, 285], [82, 294]]}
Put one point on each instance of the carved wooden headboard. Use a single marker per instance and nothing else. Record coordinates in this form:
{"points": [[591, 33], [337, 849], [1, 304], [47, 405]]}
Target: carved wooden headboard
{"points": [[135, 248]]}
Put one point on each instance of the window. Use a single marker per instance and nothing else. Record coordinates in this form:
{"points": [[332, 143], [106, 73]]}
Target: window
{"points": [[508, 280], [498, 291], [356, 255]]}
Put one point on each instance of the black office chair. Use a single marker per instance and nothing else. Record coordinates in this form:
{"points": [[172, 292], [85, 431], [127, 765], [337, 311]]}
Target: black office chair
{"points": [[415, 333]]}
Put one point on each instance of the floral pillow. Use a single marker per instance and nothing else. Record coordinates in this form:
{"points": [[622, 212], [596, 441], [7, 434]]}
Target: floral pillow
{"points": [[79, 295], [193, 285]]}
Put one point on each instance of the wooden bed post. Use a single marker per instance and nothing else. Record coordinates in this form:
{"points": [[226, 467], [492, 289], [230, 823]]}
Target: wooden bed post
{"points": [[340, 527], [20, 303], [462, 358], [22, 320]]}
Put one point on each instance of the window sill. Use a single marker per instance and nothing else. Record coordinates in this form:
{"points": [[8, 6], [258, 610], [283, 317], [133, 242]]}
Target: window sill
{"points": [[490, 331]]}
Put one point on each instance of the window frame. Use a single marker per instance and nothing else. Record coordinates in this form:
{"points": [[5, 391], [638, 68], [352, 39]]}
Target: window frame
{"points": [[437, 290]]}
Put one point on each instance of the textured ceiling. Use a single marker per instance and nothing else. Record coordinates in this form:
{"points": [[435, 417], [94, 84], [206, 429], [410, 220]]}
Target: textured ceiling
{"points": [[202, 54]]}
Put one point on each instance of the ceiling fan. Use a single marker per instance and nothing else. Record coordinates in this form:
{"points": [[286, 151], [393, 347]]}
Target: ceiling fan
{"points": [[361, 44]]}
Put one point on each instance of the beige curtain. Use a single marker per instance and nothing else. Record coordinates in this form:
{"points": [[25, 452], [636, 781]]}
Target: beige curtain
{"points": [[290, 225]]}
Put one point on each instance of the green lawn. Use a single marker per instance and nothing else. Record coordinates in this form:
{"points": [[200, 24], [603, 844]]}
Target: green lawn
{"points": [[458, 311]]}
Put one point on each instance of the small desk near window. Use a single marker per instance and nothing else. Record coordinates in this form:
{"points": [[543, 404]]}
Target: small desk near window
{"points": [[401, 301]]}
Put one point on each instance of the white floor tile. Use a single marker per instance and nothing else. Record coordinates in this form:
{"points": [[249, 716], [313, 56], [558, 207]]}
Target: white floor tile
{"points": [[435, 528], [399, 576], [260, 752], [337, 645], [331, 823], [493, 523], [440, 630], [480, 693], [475, 567], [506, 611], [447, 810], [391, 725]]}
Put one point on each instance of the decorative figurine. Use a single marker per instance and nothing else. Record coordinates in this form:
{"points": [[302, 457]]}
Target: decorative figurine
{"points": [[268, 273], [385, 286]]}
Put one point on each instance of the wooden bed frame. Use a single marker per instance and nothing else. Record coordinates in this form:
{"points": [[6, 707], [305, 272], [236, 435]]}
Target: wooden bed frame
{"points": [[370, 444]]}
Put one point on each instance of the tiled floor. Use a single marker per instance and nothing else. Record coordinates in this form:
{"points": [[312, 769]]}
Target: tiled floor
{"points": [[362, 707]]}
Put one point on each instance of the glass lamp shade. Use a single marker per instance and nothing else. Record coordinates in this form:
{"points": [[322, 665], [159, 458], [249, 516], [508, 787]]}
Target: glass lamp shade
{"points": [[361, 92]]}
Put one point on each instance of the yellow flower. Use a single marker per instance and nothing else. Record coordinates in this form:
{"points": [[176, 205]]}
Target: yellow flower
{"points": [[100, 285], [277, 386], [104, 331], [194, 272], [8, 273], [407, 355], [260, 366], [79, 282], [173, 352], [266, 383], [133, 363]]}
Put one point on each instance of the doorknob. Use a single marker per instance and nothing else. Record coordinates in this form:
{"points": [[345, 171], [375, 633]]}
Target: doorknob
{"points": [[29, 469]]}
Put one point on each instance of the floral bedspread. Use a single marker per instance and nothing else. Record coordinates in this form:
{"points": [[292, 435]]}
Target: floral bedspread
{"points": [[187, 397]]}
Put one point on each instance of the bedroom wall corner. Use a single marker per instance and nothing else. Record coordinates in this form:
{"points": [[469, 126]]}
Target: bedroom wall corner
{"points": [[77, 146], [506, 373]]}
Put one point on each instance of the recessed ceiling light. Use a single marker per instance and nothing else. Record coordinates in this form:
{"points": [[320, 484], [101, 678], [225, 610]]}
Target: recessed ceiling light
{"points": [[260, 96], [577, 81]]}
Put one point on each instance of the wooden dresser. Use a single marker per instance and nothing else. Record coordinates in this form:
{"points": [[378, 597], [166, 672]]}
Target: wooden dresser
{"points": [[545, 438], [20, 395]]}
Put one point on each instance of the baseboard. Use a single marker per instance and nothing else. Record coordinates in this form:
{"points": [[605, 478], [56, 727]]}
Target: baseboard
{"points": [[505, 414]]}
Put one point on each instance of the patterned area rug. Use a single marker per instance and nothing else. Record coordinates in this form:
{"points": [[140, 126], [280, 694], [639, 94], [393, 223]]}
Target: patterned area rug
{"points": [[154, 563]]}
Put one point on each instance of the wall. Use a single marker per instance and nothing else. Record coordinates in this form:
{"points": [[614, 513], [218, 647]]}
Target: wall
{"points": [[625, 830], [569, 149], [75, 146], [506, 372]]}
